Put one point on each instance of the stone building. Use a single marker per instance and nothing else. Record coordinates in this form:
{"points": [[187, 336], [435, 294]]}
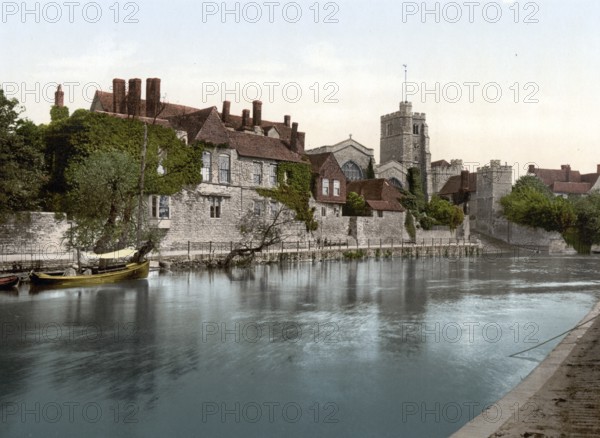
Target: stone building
{"points": [[459, 189], [442, 171], [565, 181], [352, 157], [405, 140], [328, 185]]}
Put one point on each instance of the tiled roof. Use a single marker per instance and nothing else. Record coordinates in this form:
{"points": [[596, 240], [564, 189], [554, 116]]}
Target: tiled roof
{"points": [[576, 188], [258, 146], [106, 101], [317, 161], [285, 132], [379, 194], [550, 176], [452, 186]]}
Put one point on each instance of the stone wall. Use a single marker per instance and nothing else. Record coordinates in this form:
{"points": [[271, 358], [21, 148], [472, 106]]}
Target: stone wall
{"points": [[33, 236]]}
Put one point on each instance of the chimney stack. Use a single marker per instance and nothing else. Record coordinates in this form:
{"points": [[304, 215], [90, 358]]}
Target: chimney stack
{"points": [[287, 120], [59, 97], [464, 181], [294, 138], [119, 100], [134, 97], [226, 111], [531, 168], [257, 113], [152, 97], [597, 168], [245, 118]]}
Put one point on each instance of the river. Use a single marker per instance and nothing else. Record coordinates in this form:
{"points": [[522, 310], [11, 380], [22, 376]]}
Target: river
{"points": [[375, 348]]}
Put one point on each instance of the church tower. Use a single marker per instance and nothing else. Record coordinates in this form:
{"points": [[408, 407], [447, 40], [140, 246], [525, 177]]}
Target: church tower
{"points": [[405, 139]]}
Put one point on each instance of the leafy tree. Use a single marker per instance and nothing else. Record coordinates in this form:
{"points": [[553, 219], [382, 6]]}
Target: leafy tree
{"points": [[444, 213], [22, 172], [103, 200], [415, 186], [355, 205], [586, 231], [72, 139], [59, 113], [530, 204], [409, 225], [370, 170]]}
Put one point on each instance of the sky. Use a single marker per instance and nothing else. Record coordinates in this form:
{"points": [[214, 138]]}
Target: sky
{"points": [[514, 81]]}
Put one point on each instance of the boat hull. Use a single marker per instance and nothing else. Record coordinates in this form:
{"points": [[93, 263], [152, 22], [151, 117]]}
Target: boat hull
{"points": [[132, 271], [9, 282]]}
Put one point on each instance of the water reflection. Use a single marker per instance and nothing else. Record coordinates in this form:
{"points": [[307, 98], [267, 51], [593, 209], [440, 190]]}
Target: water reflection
{"points": [[368, 336]]}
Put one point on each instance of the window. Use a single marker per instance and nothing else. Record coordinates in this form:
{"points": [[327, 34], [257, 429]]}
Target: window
{"points": [[379, 213], [352, 171], [224, 169], [206, 164], [259, 207], [389, 129], [160, 207], [415, 129], [336, 212], [395, 182], [273, 175], [215, 206], [336, 187], [257, 173], [273, 208], [325, 187], [160, 169], [323, 211]]}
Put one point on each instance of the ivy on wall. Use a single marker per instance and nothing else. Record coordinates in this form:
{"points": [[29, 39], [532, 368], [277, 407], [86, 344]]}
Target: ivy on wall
{"points": [[294, 191]]}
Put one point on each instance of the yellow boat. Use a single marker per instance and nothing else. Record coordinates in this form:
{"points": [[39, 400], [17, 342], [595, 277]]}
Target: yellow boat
{"points": [[131, 271]]}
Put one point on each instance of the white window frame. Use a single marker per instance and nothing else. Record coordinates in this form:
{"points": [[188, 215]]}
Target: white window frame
{"points": [[336, 187], [325, 187], [257, 169], [160, 207], [206, 173], [215, 207], [226, 180]]}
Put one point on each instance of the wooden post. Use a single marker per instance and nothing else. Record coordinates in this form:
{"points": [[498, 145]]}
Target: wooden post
{"points": [[189, 250]]}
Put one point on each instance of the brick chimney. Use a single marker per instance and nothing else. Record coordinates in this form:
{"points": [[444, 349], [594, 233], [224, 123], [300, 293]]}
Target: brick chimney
{"points": [[287, 120], [464, 181], [597, 168], [257, 113], [119, 100], [59, 97], [567, 169], [134, 97], [226, 111], [152, 97], [245, 118], [531, 168], [294, 137]]}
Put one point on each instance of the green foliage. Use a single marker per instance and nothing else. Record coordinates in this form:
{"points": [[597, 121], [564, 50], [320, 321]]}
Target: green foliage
{"points": [[370, 170], [415, 186], [355, 205], [59, 113], [586, 231], [22, 172], [442, 212], [409, 225], [532, 182], [354, 255], [529, 204], [73, 139], [294, 191], [103, 200]]}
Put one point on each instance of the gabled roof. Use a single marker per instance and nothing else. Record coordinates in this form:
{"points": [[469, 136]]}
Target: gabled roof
{"points": [[285, 132], [378, 193], [318, 160], [259, 146], [571, 187], [453, 185], [550, 176]]}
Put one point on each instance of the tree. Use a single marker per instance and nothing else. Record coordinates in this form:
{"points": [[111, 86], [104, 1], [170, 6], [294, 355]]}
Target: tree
{"points": [[103, 200], [22, 170], [260, 232], [355, 205], [370, 170], [532, 205], [444, 213], [586, 231]]}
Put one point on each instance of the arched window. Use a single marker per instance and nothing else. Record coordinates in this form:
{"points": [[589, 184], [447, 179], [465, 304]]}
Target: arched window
{"points": [[415, 129], [352, 171], [396, 183]]}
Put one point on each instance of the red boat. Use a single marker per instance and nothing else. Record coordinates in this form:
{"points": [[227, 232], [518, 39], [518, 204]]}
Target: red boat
{"points": [[9, 282]]}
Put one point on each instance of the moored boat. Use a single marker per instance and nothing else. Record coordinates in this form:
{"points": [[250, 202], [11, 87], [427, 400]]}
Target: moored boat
{"points": [[130, 271], [9, 282]]}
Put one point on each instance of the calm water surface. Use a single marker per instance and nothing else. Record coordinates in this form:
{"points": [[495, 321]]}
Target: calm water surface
{"points": [[391, 348]]}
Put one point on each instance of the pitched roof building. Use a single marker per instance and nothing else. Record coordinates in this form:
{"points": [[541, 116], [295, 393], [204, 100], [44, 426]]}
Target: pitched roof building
{"points": [[565, 181], [379, 194]]}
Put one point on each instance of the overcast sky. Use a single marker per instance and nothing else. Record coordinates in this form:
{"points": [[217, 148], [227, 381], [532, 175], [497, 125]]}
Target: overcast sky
{"points": [[348, 66]]}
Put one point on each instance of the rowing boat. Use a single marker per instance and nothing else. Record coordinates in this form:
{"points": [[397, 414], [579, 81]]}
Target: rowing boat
{"points": [[131, 271], [9, 282]]}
